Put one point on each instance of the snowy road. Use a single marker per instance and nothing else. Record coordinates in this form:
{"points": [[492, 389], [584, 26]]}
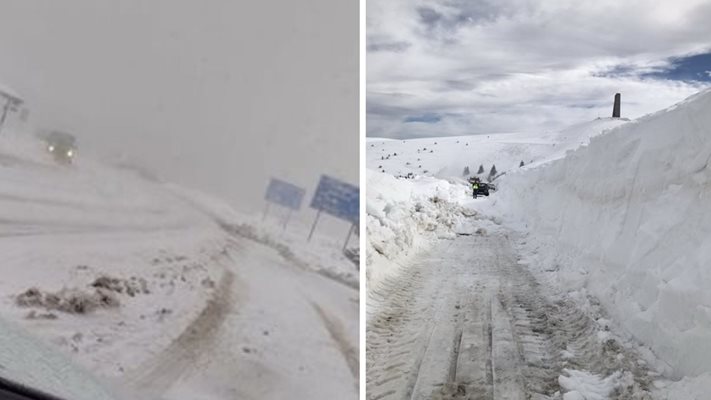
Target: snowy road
{"points": [[172, 303], [465, 321], [274, 331]]}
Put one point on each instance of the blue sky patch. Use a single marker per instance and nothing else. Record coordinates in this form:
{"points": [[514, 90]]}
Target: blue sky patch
{"points": [[690, 68]]}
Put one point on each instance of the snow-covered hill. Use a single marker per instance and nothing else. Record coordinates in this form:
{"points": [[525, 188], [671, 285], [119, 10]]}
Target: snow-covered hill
{"points": [[448, 156]]}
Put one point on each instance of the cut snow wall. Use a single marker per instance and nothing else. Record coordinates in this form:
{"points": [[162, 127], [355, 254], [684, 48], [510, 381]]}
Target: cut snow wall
{"points": [[629, 217]]}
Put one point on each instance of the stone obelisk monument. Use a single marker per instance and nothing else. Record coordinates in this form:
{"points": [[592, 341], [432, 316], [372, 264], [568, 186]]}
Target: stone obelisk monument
{"points": [[617, 106]]}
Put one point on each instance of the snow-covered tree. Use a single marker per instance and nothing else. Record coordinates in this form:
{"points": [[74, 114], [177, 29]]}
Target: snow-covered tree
{"points": [[466, 171], [493, 170], [521, 165], [481, 169]]}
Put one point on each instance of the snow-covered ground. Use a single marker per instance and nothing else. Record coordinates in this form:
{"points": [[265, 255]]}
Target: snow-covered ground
{"points": [[145, 284], [401, 211], [617, 228], [448, 156], [64, 227]]}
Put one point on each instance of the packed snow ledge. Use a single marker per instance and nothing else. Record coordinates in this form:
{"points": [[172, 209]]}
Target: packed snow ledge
{"points": [[612, 214]]}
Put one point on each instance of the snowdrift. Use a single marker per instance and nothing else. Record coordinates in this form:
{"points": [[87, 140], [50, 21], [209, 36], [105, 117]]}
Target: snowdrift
{"points": [[629, 218], [402, 213]]}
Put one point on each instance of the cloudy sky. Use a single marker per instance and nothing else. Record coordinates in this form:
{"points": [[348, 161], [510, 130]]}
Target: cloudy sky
{"points": [[455, 67], [218, 95]]}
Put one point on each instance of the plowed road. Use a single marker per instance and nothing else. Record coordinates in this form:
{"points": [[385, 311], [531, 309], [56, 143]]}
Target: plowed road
{"points": [[465, 321]]}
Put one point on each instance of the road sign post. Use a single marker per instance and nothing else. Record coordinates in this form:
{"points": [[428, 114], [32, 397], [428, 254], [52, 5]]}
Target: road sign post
{"points": [[350, 232], [12, 103], [337, 198], [284, 194], [313, 227]]}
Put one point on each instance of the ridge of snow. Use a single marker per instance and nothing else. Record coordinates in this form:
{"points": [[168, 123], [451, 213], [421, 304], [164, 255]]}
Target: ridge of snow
{"points": [[628, 218]]}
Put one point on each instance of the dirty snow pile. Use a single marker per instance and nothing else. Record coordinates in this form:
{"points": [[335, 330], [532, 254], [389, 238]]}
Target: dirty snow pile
{"points": [[404, 215], [628, 219]]}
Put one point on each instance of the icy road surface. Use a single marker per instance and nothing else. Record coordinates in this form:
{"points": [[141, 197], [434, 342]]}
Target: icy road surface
{"points": [[271, 331], [464, 320]]}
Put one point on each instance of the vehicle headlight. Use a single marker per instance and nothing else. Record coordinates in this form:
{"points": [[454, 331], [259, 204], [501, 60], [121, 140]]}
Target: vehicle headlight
{"points": [[50, 148], [70, 153]]}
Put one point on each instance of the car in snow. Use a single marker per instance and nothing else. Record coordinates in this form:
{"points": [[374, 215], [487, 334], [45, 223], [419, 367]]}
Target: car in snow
{"points": [[62, 145], [482, 189]]}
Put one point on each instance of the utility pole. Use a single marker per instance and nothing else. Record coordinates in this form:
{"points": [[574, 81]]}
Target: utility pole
{"points": [[5, 109], [12, 102]]}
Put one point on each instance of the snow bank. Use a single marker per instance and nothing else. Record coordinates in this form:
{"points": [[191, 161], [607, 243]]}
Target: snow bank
{"points": [[628, 218], [403, 213], [322, 254], [582, 385]]}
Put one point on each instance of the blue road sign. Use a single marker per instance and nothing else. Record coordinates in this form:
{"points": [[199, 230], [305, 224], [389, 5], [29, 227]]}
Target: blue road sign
{"points": [[340, 199], [285, 194]]}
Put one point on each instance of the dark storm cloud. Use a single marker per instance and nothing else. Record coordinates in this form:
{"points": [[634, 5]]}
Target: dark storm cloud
{"points": [[428, 118], [376, 44], [451, 15], [456, 84]]}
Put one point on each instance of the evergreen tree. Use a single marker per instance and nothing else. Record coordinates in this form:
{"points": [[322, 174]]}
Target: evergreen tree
{"points": [[493, 170], [466, 171], [481, 169], [521, 165]]}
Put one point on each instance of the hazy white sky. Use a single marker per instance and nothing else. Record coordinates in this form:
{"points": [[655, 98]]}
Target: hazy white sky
{"points": [[446, 67], [218, 94]]}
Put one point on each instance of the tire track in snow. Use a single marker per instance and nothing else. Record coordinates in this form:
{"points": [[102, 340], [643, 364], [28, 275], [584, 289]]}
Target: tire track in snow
{"points": [[468, 322], [338, 334], [159, 373]]}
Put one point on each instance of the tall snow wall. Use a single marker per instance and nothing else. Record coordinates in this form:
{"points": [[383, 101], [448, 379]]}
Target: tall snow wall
{"points": [[629, 218]]}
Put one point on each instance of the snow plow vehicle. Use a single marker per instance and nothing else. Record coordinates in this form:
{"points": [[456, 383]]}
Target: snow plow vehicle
{"points": [[480, 188], [62, 146]]}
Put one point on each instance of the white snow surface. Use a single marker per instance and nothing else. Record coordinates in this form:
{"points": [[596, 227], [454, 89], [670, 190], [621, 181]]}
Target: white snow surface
{"points": [[322, 254], [448, 156], [405, 214], [628, 218], [582, 385], [64, 226], [611, 209], [201, 265], [401, 213]]}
